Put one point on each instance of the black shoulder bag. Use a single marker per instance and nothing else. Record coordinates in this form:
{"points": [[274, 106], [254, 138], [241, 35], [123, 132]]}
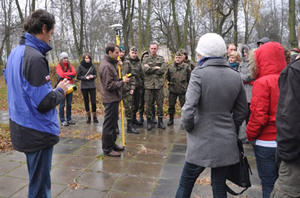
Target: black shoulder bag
{"points": [[239, 173]]}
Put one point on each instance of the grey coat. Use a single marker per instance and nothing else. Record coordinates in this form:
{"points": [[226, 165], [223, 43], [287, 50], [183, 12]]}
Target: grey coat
{"points": [[215, 103]]}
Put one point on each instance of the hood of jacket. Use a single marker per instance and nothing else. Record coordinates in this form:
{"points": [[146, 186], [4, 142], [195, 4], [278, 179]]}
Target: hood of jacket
{"points": [[267, 59]]}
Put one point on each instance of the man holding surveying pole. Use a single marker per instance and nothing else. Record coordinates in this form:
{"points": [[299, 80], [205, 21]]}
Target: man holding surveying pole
{"points": [[111, 95]]}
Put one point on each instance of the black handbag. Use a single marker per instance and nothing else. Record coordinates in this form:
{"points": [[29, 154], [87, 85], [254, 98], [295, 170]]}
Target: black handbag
{"points": [[239, 173]]}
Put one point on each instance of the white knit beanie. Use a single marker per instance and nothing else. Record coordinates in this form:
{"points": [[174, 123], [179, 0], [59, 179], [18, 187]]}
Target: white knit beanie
{"points": [[63, 55], [211, 44]]}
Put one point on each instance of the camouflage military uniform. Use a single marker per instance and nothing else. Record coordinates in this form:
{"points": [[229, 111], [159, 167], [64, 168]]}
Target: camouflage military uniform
{"points": [[178, 77], [126, 96], [190, 63], [138, 74], [154, 83]]}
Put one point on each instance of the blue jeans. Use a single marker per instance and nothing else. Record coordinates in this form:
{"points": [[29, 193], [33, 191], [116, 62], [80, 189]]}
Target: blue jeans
{"points": [[68, 110], [39, 166], [191, 172], [266, 167]]}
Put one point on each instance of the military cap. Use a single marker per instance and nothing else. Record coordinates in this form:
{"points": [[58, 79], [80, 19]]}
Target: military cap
{"points": [[133, 48], [178, 53], [182, 51], [122, 48]]}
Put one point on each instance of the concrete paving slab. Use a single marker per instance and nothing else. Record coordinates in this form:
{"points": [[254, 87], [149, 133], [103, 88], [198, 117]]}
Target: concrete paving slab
{"points": [[65, 148], [110, 165], [112, 194], [56, 189], [64, 175], [20, 172], [145, 169], [150, 166], [134, 184], [81, 193], [151, 158], [97, 180], [15, 156], [10, 185], [79, 162], [8, 165]]}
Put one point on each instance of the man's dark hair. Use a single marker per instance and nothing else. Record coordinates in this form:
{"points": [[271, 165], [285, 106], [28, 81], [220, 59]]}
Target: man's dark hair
{"points": [[153, 43], [34, 23], [110, 47]]}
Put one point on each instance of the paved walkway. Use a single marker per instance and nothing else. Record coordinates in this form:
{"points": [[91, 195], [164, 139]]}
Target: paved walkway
{"points": [[149, 167]]}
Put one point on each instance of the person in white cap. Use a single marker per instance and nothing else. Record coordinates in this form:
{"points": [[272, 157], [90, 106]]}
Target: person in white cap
{"points": [[215, 107], [65, 70]]}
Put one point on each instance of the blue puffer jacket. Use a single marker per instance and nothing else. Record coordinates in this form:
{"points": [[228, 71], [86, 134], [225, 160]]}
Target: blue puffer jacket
{"points": [[31, 99]]}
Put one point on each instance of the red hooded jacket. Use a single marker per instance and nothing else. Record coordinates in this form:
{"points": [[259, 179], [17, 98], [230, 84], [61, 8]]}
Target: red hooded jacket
{"points": [[270, 61]]}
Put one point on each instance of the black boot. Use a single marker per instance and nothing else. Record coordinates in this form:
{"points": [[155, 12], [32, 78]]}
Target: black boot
{"points": [[88, 117], [141, 119], [149, 124], [135, 121], [130, 128], [171, 121], [160, 124], [95, 118], [154, 120]]}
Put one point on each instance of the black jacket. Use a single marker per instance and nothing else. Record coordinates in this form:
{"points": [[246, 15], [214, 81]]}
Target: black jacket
{"points": [[288, 114], [83, 72]]}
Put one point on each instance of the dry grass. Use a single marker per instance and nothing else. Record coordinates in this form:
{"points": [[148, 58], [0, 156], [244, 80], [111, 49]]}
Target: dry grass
{"points": [[5, 141]]}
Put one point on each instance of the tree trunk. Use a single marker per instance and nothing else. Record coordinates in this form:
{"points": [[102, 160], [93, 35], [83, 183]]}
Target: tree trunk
{"points": [[33, 5], [20, 12], [186, 24], [292, 24], [147, 32], [235, 19], [79, 44], [176, 26], [140, 26]]}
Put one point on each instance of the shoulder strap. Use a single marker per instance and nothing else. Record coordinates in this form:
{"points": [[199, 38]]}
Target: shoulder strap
{"points": [[88, 71], [233, 192]]}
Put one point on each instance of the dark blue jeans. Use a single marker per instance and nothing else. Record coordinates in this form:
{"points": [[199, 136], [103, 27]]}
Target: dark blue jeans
{"points": [[68, 110], [191, 172], [39, 166], [266, 167]]}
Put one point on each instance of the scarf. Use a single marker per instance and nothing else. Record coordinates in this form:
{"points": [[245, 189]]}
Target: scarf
{"points": [[203, 59], [85, 64]]}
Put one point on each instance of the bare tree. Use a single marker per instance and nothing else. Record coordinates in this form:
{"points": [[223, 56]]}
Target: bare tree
{"points": [[292, 23]]}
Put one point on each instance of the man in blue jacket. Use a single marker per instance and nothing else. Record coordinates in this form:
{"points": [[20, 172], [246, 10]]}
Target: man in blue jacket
{"points": [[33, 119]]}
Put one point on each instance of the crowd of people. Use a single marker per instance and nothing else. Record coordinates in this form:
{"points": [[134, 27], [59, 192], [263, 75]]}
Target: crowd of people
{"points": [[216, 96]]}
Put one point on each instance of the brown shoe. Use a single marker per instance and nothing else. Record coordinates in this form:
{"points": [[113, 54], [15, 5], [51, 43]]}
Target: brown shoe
{"points": [[113, 154], [118, 148]]}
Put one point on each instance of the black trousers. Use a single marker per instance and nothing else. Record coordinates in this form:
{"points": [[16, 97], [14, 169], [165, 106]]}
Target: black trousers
{"points": [[110, 124], [136, 99], [92, 93]]}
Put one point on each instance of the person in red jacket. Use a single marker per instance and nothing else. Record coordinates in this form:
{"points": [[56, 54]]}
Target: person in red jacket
{"points": [[65, 70], [266, 63]]}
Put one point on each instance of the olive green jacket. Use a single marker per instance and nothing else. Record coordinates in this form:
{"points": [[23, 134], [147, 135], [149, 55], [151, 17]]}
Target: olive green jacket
{"points": [[178, 77], [154, 78]]}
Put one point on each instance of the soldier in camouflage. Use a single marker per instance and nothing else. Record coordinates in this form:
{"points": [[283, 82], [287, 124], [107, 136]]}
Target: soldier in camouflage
{"points": [[154, 67], [186, 60], [178, 74], [136, 70], [127, 92]]}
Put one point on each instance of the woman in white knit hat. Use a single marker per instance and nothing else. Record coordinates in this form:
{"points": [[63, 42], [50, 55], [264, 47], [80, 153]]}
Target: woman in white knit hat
{"points": [[65, 70], [215, 106]]}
